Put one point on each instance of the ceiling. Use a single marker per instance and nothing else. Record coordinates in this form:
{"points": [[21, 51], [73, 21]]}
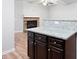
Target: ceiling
{"points": [[64, 1], [69, 1]]}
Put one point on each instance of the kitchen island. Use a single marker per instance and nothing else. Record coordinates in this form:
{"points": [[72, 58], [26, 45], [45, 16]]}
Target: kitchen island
{"points": [[52, 43]]}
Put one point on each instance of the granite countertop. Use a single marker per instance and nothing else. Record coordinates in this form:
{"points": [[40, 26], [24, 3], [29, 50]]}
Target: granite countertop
{"points": [[55, 32], [59, 29]]}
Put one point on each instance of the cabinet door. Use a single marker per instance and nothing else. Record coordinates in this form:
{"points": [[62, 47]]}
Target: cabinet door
{"points": [[40, 50], [31, 45], [55, 54], [30, 49]]}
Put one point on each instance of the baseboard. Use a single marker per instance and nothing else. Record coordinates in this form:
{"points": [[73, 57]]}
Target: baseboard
{"points": [[8, 51]]}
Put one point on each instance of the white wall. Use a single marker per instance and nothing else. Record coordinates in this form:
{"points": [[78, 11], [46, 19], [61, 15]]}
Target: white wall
{"points": [[8, 25], [31, 9], [63, 12], [18, 15], [23, 8]]}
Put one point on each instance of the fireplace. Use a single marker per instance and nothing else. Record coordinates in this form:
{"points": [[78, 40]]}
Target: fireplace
{"points": [[30, 22]]}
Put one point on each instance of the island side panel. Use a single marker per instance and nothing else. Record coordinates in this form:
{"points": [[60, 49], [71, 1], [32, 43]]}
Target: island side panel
{"points": [[70, 47]]}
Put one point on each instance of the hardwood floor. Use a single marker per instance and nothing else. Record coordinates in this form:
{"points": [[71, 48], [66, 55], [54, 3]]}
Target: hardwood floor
{"points": [[12, 55], [20, 47]]}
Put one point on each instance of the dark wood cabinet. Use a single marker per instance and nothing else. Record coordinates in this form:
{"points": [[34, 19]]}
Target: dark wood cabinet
{"points": [[55, 54], [40, 50], [31, 45], [31, 49], [55, 48], [46, 47]]}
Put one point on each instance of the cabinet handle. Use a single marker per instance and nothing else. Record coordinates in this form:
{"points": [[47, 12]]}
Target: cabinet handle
{"points": [[54, 42], [39, 37], [35, 43], [32, 42], [49, 49]]}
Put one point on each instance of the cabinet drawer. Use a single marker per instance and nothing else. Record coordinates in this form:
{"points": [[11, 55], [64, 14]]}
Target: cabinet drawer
{"points": [[40, 37], [56, 42], [40, 43], [56, 49]]}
